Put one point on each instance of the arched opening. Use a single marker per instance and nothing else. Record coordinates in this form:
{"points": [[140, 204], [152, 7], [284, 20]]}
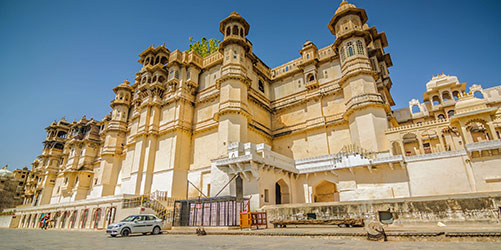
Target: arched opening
{"points": [[157, 60], [478, 130], [83, 218], [325, 191], [63, 219], [396, 149], [281, 192], [446, 96], [441, 116], [241, 32], [228, 31], [235, 30], [411, 144], [73, 219], [110, 215], [154, 78], [435, 100], [96, 218], [415, 109], [310, 78], [161, 79], [478, 95], [164, 60], [450, 113], [147, 61], [455, 95], [431, 142], [28, 221]]}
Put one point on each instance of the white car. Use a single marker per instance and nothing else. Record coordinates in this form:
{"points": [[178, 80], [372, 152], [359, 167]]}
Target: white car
{"points": [[143, 223]]}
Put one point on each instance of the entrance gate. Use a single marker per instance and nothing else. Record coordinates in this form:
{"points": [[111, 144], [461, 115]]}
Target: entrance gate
{"points": [[221, 211]]}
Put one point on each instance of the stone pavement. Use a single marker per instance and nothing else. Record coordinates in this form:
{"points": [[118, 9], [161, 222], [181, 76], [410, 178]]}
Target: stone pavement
{"points": [[428, 232], [58, 239]]}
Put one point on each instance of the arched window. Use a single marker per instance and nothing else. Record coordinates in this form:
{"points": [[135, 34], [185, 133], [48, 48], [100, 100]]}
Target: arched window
{"points": [[164, 60], [228, 31], [435, 100], [455, 95], [360, 47], [350, 49], [441, 117], [286, 68], [241, 32], [160, 79], [478, 94], [154, 78], [235, 30], [311, 78], [446, 96], [157, 60], [450, 113], [415, 109]]}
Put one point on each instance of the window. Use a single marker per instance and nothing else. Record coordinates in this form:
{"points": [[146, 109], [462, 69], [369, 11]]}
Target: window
{"points": [[266, 195], [441, 117], [188, 74], [450, 113], [360, 47], [415, 109], [176, 75], [350, 48], [235, 30], [241, 32], [286, 68], [228, 31], [343, 55], [478, 94], [261, 86], [310, 78]]}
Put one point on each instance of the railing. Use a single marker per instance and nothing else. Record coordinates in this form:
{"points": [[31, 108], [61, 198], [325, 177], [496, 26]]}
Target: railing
{"points": [[412, 126], [485, 145], [158, 201]]}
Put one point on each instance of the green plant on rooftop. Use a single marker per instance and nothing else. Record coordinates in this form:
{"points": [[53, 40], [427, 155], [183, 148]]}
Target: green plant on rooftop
{"points": [[204, 47]]}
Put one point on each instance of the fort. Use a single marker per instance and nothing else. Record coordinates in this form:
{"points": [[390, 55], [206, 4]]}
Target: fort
{"points": [[316, 133]]}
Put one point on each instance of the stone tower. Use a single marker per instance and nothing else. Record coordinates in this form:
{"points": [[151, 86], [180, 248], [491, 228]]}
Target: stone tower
{"points": [[51, 158], [366, 110], [233, 113], [115, 139]]}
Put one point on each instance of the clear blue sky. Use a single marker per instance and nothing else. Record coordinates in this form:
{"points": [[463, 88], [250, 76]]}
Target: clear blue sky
{"points": [[62, 58]]}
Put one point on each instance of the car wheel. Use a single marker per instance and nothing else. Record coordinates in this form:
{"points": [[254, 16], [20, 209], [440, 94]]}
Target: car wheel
{"points": [[125, 232], [156, 230], [113, 235]]}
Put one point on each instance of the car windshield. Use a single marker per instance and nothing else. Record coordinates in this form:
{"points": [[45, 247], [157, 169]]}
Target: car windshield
{"points": [[130, 218]]}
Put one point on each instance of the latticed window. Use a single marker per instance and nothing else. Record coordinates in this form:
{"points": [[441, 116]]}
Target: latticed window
{"points": [[351, 50], [360, 48]]}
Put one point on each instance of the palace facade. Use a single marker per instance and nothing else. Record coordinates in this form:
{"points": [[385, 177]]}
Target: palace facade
{"points": [[318, 128]]}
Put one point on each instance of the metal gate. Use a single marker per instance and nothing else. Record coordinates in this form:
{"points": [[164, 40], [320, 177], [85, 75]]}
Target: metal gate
{"points": [[221, 211]]}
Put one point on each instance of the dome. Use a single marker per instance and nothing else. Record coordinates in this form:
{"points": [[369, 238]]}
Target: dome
{"points": [[4, 172], [344, 5], [307, 43]]}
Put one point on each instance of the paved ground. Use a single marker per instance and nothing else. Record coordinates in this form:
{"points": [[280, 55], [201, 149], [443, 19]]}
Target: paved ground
{"points": [[55, 239]]}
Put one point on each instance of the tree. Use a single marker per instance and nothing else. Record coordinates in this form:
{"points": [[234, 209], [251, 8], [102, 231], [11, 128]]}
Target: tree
{"points": [[204, 47]]}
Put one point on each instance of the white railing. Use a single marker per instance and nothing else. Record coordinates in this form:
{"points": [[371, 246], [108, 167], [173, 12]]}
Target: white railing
{"points": [[485, 145]]}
